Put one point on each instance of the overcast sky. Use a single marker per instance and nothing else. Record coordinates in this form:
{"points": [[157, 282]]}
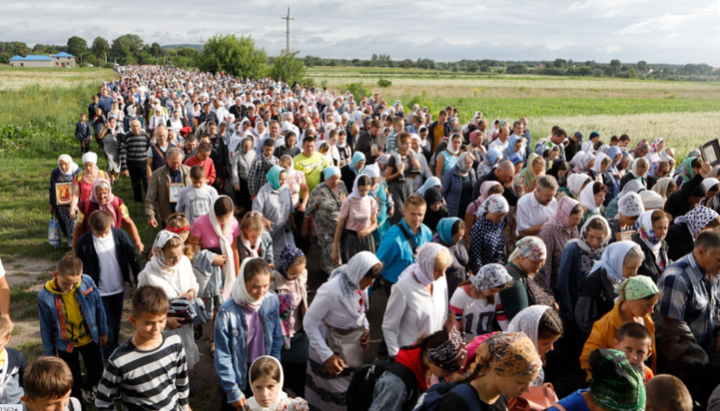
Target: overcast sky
{"points": [[657, 31]]}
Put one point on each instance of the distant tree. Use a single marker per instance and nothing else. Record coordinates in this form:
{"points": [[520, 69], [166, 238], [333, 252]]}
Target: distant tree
{"points": [[472, 68], [19, 49], [156, 50], [288, 67], [615, 63], [5, 58], [516, 69], [188, 52], [77, 46], [100, 47], [407, 63], [642, 65], [560, 63], [235, 56], [597, 72], [125, 47]]}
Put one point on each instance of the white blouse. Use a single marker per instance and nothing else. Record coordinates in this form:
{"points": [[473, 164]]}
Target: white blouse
{"points": [[173, 285]]}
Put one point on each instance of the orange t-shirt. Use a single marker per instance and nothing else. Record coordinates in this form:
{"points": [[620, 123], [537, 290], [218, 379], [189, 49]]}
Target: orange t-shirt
{"points": [[438, 134]]}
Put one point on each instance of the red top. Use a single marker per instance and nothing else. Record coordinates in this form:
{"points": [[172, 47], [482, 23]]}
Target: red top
{"points": [[413, 360], [207, 165]]}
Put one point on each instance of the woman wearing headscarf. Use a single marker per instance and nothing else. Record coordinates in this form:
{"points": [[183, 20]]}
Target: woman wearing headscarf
{"points": [[354, 168], [688, 169], [432, 182], [487, 236], [109, 136], [172, 271], [656, 147], [637, 171], [289, 147], [665, 186], [487, 189], [274, 202], [289, 282], [621, 260], [436, 209], [102, 198], [543, 326], [525, 265], [418, 303], [658, 170], [515, 144], [505, 366], [559, 170], [358, 219], [379, 192], [637, 297], [340, 303], [592, 198], [691, 191], [682, 233], [633, 186], [651, 229], [583, 162], [578, 259], [534, 168], [575, 185], [83, 181], [556, 233], [641, 149], [242, 160], [712, 187], [63, 173], [324, 205], [457, 185], [476, 303], [630, 207], [451, 234], [492, 157]]}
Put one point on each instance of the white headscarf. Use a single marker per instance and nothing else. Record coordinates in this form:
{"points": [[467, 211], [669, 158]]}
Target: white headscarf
{"points": [[226, 247], [89, 157], [355, 192], [652, 200], [282, 399], [496, 203], [587, 198], [73, 167], [490, 276], [599, 157], [345, 280], [239, 290], [157, 262], [709, 183], [528, 321], [424, 268], [575, 183]]}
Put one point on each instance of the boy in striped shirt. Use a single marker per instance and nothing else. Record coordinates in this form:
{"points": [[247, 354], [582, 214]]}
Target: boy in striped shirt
{"points": [[149, 371]]}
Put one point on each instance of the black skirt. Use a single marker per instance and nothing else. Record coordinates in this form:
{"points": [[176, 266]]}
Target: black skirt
{"points": [[350, 245]]}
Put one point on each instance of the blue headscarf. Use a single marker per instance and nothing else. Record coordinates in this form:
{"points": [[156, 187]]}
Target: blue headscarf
{"points": [[492, 156], [356, 158], [288, 255], [273, 176], [444, 229], [612, 152], [330, 172], [516, 158], [613, 260], [430, 183], [510, 150]]}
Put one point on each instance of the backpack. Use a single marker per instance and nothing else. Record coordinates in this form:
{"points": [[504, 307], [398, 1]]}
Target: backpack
{"points": [[361, 390], [435, 395]]}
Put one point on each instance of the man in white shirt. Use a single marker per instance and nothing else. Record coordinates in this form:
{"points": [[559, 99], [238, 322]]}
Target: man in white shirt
{"points": [[502, 141], [536, 208]]}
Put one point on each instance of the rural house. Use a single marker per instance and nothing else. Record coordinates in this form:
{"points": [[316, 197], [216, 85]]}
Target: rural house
{"points": [[61, 59]]}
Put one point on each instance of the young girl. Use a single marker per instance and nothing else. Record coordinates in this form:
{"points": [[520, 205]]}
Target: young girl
{"points": [[358, 219], [476, 304], [254, 240], [247, 327], [266, 381]]}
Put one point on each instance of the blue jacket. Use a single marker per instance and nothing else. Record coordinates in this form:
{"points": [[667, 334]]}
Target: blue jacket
{"points": [[53, 333], [395, 251], [231, 362], [452, 184], [13, 383]]}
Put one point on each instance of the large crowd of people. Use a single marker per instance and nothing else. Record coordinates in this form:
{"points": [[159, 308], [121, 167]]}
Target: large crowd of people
{"points": [[551, 271]]}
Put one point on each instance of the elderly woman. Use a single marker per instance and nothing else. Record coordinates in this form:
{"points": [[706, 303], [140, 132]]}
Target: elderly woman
{"points": [[557, 232], [621, 260], [338, 309], [457, 186], [109, 136], [172, 271], [492, 157], [487, 236], [274, 202], [418, 303], [575, 185], [525, 265], [64, 173], [633, 186], [637, 171], [451, 234], [103, 199], [83, 181], [682, 233], [630, 207], [324, 206], [652, 227]]}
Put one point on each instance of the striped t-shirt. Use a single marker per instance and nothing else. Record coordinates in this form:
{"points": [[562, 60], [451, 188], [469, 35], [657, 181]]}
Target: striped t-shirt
{"points": [[146, 380]]}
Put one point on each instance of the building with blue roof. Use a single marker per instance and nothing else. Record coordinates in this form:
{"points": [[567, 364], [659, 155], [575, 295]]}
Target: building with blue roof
{"points": [[59, 60]]}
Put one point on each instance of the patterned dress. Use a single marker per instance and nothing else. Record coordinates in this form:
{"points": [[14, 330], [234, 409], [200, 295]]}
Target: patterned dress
{"points": [[324, 207], [487, 244]]}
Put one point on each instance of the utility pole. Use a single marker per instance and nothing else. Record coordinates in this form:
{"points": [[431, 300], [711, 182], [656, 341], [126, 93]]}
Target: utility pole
{"points": [[201, 44], [287, 32]]}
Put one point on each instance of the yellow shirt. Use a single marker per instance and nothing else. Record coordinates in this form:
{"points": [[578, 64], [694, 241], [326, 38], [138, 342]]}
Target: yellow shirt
{"points": [[438, 134], [75, 328]]}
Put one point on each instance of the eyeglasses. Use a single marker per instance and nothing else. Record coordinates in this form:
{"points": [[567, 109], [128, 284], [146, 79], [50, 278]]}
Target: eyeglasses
{"points": [[662, 173]]}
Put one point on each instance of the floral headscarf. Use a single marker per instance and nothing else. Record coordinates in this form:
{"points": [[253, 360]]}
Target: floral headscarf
{"points": [[655, 144], [288, 255], [697, 219], [496, 203], [639, 148], [562, 214], [485, 187], [108, 205], [447, 349], [615, 384], [424, 267], [636, 288], [529, 247], [490, 276], [630, 205], [508, 355], [646, 232]]}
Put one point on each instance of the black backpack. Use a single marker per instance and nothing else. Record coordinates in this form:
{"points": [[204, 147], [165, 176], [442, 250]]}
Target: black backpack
{"points": [[362, 386]]}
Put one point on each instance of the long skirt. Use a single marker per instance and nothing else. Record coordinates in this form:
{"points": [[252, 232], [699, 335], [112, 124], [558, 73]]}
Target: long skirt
{"points": [[187, 335], [325, 392], [400, 190], [294, 362], [325, 242], [67, 224], [242, 198], [350, 245], [110, 147]]}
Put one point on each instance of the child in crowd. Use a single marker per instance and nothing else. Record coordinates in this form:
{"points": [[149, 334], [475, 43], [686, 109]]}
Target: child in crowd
{"points": [[179, 224], [202, 159], [635, 341], [255, 240], [108, 256], [12, 367], [666, 392], [195, 200], [48, 383], [83, 133], [266, 381], [149, 371], [73, 322]]}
